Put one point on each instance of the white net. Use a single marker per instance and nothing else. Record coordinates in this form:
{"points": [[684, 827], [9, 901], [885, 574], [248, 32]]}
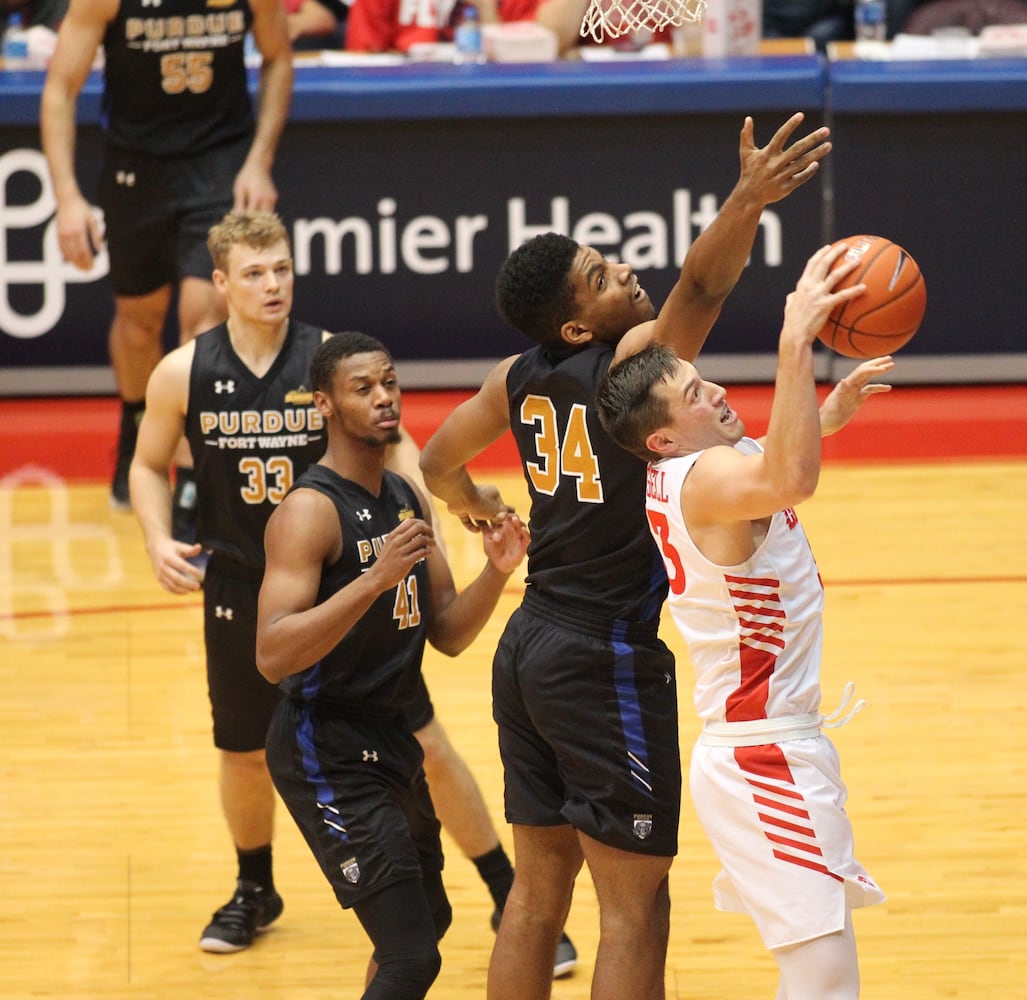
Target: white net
{"points": [[613, 18]]}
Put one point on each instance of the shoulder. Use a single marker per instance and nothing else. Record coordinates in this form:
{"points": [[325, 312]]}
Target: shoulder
{"points": [[304, 525]]}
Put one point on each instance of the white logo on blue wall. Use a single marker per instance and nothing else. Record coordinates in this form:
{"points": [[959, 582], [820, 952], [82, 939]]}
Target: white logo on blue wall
{"points": [[49, 272]]}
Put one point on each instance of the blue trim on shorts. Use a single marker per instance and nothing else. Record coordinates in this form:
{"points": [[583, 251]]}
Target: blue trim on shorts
{"points": [[330, 816], [630, 710]]}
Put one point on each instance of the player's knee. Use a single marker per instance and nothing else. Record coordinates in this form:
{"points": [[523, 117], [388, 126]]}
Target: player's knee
{"points": [[408, 977]]}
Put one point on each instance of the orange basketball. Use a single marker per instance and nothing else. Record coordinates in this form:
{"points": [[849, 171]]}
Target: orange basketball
{"points": [[885, 317]]}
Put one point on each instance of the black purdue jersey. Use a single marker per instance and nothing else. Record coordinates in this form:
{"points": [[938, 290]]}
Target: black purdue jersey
{"points": [[175, 76], [250, 438], [590, 543], [377, 666]]}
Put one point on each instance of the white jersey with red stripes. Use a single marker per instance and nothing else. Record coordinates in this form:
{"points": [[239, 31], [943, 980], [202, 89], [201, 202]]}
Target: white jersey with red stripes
{"points": [[753, 630], [765, 781]]}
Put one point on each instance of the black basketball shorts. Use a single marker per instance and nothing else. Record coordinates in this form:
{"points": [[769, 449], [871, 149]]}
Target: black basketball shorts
{"points": [[356, 789], [588, 733], [241, 700], [157, 213]]}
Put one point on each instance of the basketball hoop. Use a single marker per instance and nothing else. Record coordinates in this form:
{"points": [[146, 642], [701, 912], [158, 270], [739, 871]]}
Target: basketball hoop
{"points": [[614, 18]]}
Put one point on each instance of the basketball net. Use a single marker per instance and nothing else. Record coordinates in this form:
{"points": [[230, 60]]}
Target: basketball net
{"points": [[614, 18]]}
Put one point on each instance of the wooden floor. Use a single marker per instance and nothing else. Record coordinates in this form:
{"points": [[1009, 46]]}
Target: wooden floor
{"points": [[113, 852]]}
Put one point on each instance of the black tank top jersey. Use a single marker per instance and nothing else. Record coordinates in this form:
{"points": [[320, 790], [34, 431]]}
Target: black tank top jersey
{"points": [[590, 549], [250, 438], [175, 76], [376, 668]]}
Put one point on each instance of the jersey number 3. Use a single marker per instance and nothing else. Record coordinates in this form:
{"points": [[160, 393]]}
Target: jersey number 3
{"points": [[660, 528], [573, 456]]}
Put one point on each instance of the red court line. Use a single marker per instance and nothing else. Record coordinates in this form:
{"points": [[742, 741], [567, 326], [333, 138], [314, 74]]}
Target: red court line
{"points": [[74, 437], [922, 581]]}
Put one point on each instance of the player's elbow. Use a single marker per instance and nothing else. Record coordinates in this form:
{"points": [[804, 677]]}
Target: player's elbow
{"points": [[800, 483], [270, 662]]}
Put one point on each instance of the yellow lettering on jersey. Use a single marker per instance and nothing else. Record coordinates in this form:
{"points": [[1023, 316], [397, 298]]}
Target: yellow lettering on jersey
{"points": [[407, 609], [574, 456]]}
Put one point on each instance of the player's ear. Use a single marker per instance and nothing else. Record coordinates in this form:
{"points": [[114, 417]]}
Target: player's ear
{"points": [[322, 404], [660, 442], [573, 333], [219, 279]]}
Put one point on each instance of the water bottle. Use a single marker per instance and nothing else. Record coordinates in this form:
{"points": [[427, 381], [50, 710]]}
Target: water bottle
{"points": [[871, 18], [15, 49], [467, 36]]}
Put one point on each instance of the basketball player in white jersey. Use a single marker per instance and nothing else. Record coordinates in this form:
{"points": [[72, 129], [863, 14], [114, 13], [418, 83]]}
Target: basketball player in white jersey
{"points": [[745, 593]]}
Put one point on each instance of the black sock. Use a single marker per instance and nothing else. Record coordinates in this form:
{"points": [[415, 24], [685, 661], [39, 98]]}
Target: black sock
{"points": [[255, 866], [497, 873], [131, 416]]}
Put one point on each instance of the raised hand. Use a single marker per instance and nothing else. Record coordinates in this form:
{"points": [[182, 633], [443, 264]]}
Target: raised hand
{"points": [[771, 172], [845, 399], [408, 543], [506, 543], [482, 509]]}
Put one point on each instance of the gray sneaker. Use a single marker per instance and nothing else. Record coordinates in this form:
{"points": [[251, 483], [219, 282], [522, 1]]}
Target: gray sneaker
{"points": [[566, 958]]}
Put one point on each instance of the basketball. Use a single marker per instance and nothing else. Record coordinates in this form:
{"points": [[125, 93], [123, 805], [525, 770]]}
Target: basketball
{"points": [[885, 317]]}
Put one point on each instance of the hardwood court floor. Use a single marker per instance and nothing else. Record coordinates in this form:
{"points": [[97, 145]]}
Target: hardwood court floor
{"points": [[114, 852]]}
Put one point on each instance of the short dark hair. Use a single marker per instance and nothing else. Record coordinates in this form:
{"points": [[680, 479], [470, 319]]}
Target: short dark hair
{"points": [[334, 349], [534, 293], [629, 409]]}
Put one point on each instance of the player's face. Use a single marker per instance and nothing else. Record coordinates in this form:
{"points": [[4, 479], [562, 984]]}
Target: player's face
{"points": [[365, 399], [258, 284], [610, 299], [699, 413]]}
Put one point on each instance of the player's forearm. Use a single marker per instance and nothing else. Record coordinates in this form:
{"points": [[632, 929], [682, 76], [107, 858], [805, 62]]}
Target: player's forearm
{"points": [[151, 503], [792, 448], [459, 624], [57, 136], [718, 256], [275, 95], [291, 643]]}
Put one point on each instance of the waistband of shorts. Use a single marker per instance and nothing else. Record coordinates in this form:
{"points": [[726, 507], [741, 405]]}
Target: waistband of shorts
{"points": [[574, 616], [331, 708], [227, 566], [756, 732]]}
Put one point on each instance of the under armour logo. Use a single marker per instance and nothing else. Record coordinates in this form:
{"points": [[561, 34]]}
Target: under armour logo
{"points": [[228, 386], [364, 515], [126, 178], [226, 613], [371, 756]]}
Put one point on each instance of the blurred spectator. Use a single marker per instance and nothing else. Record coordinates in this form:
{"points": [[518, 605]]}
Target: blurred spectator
{"points": [[822, 20], [396, 25], [970, 14], [48, 13], [828, 20], [316, 24]]}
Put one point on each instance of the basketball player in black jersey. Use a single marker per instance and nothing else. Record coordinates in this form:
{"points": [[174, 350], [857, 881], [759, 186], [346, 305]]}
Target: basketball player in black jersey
{"points": [[181, 148], [241, 393], [583, 689], [354, 586]]}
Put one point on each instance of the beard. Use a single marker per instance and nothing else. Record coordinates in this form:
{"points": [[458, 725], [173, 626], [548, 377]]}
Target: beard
{"points": [[392, 436]]}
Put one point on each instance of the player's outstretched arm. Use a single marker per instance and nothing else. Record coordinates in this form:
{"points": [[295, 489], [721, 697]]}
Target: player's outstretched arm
{"points": [[716, 259]]}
